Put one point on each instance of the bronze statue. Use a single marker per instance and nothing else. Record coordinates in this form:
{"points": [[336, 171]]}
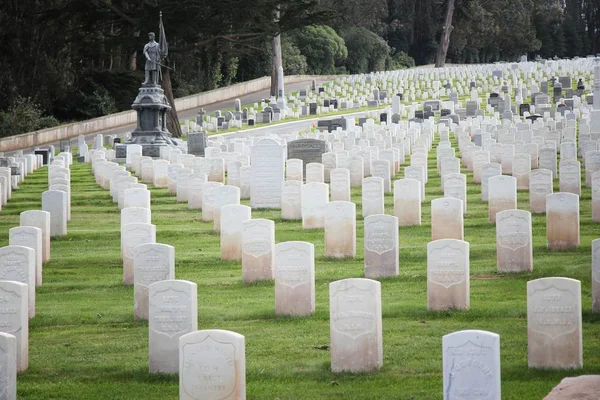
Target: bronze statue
{"points": [[153, 57]]}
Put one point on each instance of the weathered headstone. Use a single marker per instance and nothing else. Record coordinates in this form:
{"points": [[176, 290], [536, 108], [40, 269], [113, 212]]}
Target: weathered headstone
{"points": [[152, 262], [8, 366], [294, 278], [224, 195], [314, 199], [315, 172], [596, 197], [521, 168], [381, 246], [514, 241], [340, 229], [381, 169], [14, 298], [488, 171], [258, 242], [340, 184], [448, 284], [502, 195], [55, 202], [447, 219], [540, 185], [209, 200], [133, 235], [355, 325], [570, 177], [596, 276], [233, 217], [173, 312], [407, 202], [554, 323], [294, 170], [372, 196], [136, 197], [471, 362], [212, 365], [455, 186], [17, 263], [562, 220], [267, 158], [29, 236]]}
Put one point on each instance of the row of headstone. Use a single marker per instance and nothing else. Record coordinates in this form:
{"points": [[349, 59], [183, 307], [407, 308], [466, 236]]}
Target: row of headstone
{"points": [[21, 266]]}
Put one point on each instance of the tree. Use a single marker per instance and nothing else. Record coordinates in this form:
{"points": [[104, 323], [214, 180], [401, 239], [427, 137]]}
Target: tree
{"points": [[323, 48], [440, 59], [366, 51]]}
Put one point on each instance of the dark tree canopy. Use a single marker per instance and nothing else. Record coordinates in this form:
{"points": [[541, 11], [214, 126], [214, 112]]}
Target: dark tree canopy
{"points": [[78, 59]]}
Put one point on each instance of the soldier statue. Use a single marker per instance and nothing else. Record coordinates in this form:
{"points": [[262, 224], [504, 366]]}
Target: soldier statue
{"points": [[153, 55]]}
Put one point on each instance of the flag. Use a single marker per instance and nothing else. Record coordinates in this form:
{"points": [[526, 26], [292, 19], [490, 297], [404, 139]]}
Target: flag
{"points": [[163, 46]]}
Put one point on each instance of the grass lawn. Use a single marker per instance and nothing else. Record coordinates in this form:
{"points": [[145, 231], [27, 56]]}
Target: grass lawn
{"points": [[85, 344]]}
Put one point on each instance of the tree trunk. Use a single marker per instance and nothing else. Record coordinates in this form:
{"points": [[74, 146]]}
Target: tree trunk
{"points": [[276, 59], [440, 59], [172, 120], [276, 64]]}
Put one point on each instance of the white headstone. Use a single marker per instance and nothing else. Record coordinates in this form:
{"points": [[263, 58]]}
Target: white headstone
{"points": [[224, 195], [294, 278], [133, 235], [291, 200], [596, 276], [562, 220], [14, 298], [17, 263], [570, 177], [514, 241], [372, 196], [340, 229], [355, 325], [502, 194], [233, 217], [8, 366], [258, 242], [55, 202], [381, 251], [210, 356], [267, 161], [540, 185], [340, 184], [447, 219], [314, 199], [29, 236], [448, 284], [471, 362], [152, 262], [554, 323], [173, 312], [407, 202]]}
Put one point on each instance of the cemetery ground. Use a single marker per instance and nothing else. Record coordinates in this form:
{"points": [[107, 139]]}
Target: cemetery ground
{"points": [[85, 344]]}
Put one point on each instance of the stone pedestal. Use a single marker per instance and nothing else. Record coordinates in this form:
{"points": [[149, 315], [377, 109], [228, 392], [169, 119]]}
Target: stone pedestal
{"points": [[151, 132]]}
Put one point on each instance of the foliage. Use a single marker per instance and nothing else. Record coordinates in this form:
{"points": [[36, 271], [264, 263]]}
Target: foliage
{"points": [[402, 60], [23, 116], [294, 62], [322, 47], [366, 51]]}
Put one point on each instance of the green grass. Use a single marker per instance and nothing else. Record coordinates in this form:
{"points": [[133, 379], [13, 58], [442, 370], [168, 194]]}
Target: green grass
{"points": [[85, 344]]}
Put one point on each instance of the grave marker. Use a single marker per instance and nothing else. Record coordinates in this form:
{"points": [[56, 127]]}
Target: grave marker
{"points": [[355, 325], [554, 323], [448, 275], [294, 278], [173, 312]]}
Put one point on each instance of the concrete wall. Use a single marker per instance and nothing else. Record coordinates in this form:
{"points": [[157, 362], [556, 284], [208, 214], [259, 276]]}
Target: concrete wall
{"points": [[113, 121]]}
